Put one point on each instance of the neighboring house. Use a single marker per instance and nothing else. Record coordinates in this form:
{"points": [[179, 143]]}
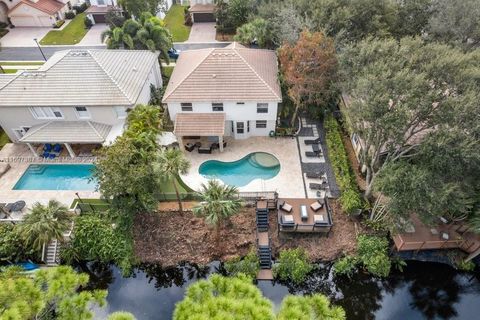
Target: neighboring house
{"points": [[77, 96], [99, 8], [34, 13], [232, 91], [164, 7]]}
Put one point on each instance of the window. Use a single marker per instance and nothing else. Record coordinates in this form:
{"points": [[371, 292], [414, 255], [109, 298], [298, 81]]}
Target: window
{"points": [[248, 126], [101, 2], [261, 124], [121, 112], [240, 127], [240, 102], [186, 106], [46, 113], [262, 107], [217, 106], [82, 112]]}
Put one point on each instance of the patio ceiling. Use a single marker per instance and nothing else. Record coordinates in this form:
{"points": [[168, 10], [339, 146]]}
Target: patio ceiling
{"points": [[199, 124], [67, 132]]}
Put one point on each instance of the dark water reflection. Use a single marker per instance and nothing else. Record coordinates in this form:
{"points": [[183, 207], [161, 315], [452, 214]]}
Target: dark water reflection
{"points": [[422, 291]]}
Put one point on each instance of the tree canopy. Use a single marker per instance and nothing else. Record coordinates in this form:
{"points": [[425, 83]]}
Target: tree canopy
{"points": [[309, 68]]}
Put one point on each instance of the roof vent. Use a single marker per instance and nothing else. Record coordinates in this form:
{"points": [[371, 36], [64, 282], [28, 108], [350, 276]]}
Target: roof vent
{"points": [[134, 69], [214, 76]]}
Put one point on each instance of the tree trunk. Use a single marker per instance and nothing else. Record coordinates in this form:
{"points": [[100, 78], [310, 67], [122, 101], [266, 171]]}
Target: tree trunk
{"points": [[369, 180], [180, 207], [295, 113]]}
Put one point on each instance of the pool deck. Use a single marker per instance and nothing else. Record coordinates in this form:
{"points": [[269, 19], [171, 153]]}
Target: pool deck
{"points": [[288, 182], [10, 178]]}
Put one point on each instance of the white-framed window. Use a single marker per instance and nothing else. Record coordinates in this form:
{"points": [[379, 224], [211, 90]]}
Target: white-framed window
{"points": [[217, 106], [82, 113], [261, 124], [186, 106], [101, 2], [121, 112], [248, 126], [240, 103], [240, 127], [46, 113], [262, 107]]}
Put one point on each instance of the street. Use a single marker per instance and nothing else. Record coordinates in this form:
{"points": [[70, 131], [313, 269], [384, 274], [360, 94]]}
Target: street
{"points": [[34, 54]]}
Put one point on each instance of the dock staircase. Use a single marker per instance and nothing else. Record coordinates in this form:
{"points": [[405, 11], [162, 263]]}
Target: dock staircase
{"points": [[264, 249], [51, 253]]}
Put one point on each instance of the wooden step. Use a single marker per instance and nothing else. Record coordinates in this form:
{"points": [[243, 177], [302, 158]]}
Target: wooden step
{"points": [[265, 274]]}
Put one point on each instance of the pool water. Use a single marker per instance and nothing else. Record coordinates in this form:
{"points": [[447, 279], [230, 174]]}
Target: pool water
{"points": [[57, 177], [257, 165]]}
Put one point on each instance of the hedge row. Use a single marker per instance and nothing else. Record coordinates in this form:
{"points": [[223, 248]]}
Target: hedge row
{"points": [[350, 198]]}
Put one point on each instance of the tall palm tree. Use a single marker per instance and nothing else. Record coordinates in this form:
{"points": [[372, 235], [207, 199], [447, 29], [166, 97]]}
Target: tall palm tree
{"points": [[219, 202], [171, 163], [148, 33], [45, 223]]}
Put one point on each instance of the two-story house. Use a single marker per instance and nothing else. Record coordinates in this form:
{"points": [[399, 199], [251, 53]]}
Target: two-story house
{"points": [[77, 96], [232, 91]]}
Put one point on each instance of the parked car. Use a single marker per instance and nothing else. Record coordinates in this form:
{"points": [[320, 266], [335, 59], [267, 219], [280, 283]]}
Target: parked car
{"points": [[173, 53]]}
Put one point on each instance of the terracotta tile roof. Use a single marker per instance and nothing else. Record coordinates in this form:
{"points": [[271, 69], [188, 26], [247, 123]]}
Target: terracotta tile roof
{"points": [[234, 73], [47, 6], [200, 8], [199, 124], [67, 132]]}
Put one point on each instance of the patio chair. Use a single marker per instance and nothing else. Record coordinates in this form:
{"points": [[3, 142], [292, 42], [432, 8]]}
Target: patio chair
{"points": [[315, 141], [311, 154], [316, 148], [15, 206], [57, 148], [47, 147], [317, 205], [205, 150], [315, 175], [52, 156], [45, 154], [285, 206], [189, 147]]}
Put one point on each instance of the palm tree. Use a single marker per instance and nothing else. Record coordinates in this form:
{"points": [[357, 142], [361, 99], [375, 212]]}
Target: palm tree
{"points": [[149, 33], [45, 223], [170, 164], [219, 202]]}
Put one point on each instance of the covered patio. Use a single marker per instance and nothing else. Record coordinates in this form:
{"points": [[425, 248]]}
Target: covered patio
{"points": [[68, 133], [191, 127]]}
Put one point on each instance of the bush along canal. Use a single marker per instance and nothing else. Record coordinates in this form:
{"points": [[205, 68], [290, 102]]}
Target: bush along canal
{"points": [[424, 290]]}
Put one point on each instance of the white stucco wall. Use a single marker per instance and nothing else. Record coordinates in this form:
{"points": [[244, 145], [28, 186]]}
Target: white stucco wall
{"points": [[235, 113]]}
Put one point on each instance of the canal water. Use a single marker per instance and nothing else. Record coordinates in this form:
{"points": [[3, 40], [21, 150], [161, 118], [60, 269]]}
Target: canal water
{"points": [[422, 291]]}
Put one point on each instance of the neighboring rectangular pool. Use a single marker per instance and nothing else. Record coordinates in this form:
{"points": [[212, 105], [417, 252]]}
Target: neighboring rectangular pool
{"points": [[57, 177]]}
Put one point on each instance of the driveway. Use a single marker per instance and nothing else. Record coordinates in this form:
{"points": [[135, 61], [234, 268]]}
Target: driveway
{"points": [[202, 32], [23, 36], [93, 36]]}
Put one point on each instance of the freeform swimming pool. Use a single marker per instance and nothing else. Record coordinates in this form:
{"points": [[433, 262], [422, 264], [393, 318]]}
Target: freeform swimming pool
{"points": [[57, 177], [257, 165]]}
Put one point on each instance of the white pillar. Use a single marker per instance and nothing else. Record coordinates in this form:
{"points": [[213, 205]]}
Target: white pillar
{"points": [[70, 150], [32, 149], [220, 143], [180, 143]]}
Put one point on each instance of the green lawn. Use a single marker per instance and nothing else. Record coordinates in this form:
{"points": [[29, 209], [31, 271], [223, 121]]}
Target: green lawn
{"points": [[3, 138], [174, 20], [71, 34], [88, 204], [21, 63], [167, 72], [10, 70]]}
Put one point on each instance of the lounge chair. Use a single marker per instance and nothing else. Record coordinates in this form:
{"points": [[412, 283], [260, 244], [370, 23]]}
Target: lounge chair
{"points": [[15, 206], [311, 154], [288, 219], [315, 175], [317, 205], [317, 186], [285, 206], [315, 141]]}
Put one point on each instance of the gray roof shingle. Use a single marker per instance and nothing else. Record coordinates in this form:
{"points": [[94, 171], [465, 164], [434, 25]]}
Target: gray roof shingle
{"points": [[82, 77]]}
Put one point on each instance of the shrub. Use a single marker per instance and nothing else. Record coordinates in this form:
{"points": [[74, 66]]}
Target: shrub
{"points": [[316, 306], [58, 24], [81, 8], [12, 246], [69, 14], [350, 198], [292, 265], [346, 265], [88, 22], [249, 265], [114, 19], [466, 265], [373, 254]]}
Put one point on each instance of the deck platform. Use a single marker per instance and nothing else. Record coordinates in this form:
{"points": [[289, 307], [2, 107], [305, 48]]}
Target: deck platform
{"points": [[308, 225], [265, 274]]}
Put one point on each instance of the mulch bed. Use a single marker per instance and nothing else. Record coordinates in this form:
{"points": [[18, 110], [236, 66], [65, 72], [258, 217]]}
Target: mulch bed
{"points": [[169, 238]]}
